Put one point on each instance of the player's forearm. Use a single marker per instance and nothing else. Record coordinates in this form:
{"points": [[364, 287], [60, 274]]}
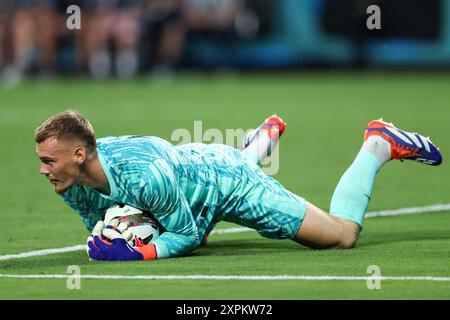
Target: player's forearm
{"points": [[172, 245]]}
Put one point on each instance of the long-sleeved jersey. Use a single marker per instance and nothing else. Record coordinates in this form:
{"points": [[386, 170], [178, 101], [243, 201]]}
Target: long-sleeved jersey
{"points": [[187, 188]]}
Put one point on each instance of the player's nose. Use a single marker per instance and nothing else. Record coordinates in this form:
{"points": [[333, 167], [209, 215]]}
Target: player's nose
{"points": [[44, 170]]}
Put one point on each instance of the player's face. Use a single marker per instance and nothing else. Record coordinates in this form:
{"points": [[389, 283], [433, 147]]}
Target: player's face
{"points": [[59, 163]]}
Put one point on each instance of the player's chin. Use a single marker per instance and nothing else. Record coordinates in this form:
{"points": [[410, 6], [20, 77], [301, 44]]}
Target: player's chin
{"points": [[60, 188]]}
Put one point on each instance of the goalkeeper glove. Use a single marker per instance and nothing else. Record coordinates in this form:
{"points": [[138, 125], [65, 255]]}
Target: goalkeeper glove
{"points": [[97, 231], [111, 244]]}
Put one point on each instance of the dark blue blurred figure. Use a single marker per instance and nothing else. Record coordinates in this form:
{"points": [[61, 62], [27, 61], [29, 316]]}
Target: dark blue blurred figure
{"points": [[163, 35]]}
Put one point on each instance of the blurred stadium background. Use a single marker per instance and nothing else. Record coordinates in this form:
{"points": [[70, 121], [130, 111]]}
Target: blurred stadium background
{"points": [[123, 38]]}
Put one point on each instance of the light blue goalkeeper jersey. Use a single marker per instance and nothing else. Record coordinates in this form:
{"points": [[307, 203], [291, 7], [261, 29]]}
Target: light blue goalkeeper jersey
{"points": [[187, 188]]}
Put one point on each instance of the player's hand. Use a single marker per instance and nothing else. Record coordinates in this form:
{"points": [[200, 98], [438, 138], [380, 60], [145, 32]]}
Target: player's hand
{"points": [[97, 231], [113, 224], [121, 227], [112, 245]]}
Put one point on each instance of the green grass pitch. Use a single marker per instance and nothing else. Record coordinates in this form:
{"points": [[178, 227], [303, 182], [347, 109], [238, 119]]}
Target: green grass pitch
{"points": [[326, 115]]}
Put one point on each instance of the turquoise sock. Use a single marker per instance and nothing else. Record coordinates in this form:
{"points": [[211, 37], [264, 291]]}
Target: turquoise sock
{"points": [[353, 192]]}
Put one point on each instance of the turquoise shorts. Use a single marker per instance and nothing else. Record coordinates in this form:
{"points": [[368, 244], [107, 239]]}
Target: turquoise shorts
{"points": [[266, 206]]}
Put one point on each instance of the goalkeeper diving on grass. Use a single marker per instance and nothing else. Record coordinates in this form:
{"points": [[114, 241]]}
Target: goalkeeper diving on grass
{"points": [[190, 188]]}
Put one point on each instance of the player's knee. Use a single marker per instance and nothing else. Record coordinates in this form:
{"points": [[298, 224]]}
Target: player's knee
{"points": [[347, 243], [349, 236]]}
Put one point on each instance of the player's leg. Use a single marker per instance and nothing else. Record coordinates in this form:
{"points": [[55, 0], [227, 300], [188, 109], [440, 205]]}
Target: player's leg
{"points": [[382, 142], [260, 143], [172, 42], [46, 39], [97, 30], [2, 39], [126, 31], [320, 230], [22, 28], [276, 213]]}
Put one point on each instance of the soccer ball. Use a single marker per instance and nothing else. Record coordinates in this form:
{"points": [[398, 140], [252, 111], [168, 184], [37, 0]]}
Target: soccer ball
{"points": [[143, 227]]}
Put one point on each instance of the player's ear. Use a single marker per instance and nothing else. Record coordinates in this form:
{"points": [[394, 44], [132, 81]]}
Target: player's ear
{"points": [[79, 155]]}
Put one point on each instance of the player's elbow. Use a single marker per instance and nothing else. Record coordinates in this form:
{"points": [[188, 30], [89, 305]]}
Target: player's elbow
{"points": [[196, 242], [193, 242]]}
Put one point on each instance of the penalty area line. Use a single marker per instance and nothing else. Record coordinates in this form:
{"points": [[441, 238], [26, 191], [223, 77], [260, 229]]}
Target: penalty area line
{"points": [[222, 277], [374, 214]]}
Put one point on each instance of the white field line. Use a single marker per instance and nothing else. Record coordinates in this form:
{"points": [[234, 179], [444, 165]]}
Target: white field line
{"points": [[230, 230], [42, 252], [384, 213], [397, 212], [221, 277]]}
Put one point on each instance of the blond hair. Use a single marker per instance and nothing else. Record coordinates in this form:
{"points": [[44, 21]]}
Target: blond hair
{"points": [[67, 125]]}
